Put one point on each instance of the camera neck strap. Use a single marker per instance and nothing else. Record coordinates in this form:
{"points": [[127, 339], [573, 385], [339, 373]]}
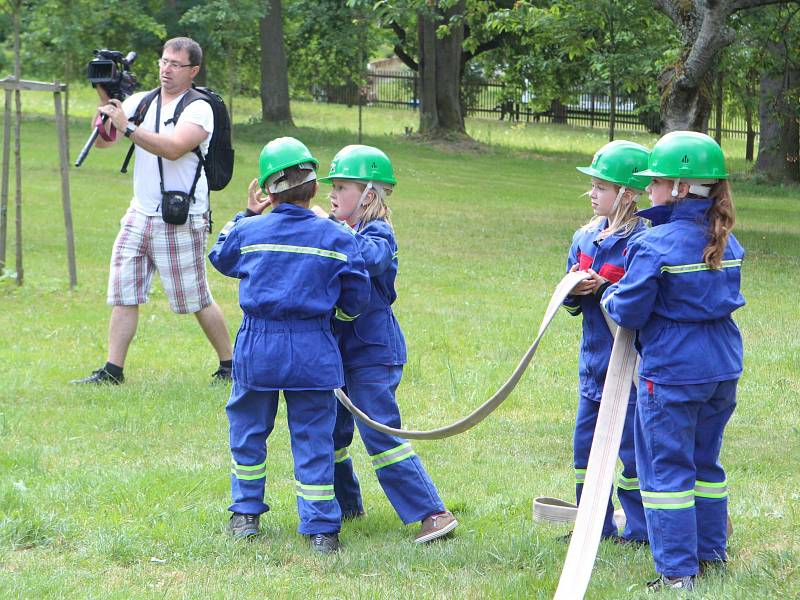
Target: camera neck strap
{"points": [[160, 162]]}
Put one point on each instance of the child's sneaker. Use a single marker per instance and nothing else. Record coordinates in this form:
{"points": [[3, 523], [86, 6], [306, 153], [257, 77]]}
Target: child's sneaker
{"points": [[435, 527], [674, 583], [324, 543], [243, 526]]}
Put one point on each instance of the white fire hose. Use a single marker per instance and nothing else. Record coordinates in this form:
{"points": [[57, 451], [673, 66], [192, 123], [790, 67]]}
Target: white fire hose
{"points": [[600, 470]]}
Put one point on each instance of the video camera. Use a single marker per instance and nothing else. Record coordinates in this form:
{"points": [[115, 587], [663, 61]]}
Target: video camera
{"points": [[112, 70], [109, 69]]}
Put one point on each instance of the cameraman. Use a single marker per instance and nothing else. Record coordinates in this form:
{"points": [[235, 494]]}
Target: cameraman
{"points": [[146, 243]]}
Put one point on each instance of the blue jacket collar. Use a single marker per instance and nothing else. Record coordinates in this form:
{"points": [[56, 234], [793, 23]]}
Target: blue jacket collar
{"points": [[687, 210], [291, 209]]}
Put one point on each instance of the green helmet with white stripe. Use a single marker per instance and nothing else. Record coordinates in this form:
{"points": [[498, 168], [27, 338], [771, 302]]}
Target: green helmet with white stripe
{"points": [[282, 153]]}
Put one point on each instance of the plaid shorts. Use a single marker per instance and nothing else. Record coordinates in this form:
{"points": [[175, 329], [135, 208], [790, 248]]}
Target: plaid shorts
{"points": [[147, 244]]}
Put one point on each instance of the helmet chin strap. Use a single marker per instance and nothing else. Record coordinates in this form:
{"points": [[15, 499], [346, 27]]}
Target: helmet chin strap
{"points": [[618, 199], [359, 205], [695, 187]]}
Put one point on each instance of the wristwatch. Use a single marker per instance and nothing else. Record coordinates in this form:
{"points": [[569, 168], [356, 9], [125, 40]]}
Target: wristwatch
{"points": [[129, 130]]}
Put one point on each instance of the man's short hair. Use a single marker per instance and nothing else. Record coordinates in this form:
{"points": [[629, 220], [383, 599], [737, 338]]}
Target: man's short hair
{"points": [[192, 48]]}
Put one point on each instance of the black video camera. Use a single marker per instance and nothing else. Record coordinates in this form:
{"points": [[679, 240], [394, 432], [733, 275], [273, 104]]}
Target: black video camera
{"points": [[112, 70]]}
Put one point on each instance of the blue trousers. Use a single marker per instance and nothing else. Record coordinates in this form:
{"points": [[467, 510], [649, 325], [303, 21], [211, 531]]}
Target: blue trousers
{"points": [[311, 415], [684, 490], [627, 484], [400, 472]]}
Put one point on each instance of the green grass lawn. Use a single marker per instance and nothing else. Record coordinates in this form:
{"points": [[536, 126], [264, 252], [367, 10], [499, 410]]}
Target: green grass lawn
{"points": [[122, 492]]}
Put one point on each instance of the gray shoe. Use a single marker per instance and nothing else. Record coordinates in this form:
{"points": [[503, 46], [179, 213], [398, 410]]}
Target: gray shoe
{"points": [[243, 526], [324, 543], [671, 583]]}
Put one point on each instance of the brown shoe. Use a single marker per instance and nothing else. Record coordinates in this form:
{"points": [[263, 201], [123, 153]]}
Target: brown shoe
{"points": [[435, 527]]}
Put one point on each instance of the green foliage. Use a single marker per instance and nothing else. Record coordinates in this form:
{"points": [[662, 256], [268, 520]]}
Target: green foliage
{"points": [[59, 36], [228, 32], [328, 45]]}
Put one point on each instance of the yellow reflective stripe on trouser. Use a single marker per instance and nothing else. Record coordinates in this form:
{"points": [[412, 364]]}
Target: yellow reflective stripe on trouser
{"points": [[573, 310], [668, 500], [580, 475], [627, 483], [394, 455], [711, 489], [294, 249], [314, 492], [725, 264], [249, 472], [341, 455]]}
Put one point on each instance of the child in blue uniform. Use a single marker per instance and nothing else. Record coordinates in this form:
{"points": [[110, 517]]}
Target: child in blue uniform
{"points": [[374, 351], [598, 248], [681, 284], [295, 270]]}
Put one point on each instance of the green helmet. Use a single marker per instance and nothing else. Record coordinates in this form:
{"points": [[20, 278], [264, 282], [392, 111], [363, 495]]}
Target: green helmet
{"points": [[364, 163], [686, 155], [617, 162], [281, 153]]}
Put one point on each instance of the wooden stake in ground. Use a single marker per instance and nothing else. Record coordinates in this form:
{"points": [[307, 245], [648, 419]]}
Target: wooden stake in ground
{"points": [[63, 151]]}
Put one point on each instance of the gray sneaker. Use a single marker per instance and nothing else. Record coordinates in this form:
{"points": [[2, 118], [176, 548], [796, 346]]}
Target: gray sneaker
{"points": [[243, 526], [671, 583]]}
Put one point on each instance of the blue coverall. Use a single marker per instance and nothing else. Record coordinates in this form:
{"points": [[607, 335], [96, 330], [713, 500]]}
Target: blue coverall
{"points": [[374, 352], [606, 257], [295, 270], [691, 360]]}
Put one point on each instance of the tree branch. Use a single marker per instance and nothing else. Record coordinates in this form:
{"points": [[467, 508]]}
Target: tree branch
{"points": [[495, 42], [737, 5], [404, 56]]}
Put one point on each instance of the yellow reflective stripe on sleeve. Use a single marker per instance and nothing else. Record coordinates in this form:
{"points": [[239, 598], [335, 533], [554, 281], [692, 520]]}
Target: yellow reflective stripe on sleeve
{"points": [[294, 250], [341, 455], [573, 310], [394, 256], [725, 264]]}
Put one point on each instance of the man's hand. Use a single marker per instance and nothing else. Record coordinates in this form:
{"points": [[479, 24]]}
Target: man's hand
{"points": [[113, 110], [256, 201]]}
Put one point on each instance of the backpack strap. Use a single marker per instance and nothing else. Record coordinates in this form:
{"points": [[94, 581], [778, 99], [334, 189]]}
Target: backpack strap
{"points": [[190, 96], [136, 118]]}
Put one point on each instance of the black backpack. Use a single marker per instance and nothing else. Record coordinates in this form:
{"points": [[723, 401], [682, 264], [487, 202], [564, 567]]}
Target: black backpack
{"points": [[218, 162]]}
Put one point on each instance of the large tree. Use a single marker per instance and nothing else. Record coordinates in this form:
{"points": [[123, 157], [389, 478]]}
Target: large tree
{"points": [[437, 38], [705, 30]]}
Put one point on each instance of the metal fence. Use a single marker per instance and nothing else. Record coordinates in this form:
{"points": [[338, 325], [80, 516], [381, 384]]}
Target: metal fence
{"points": [[490, 99]]}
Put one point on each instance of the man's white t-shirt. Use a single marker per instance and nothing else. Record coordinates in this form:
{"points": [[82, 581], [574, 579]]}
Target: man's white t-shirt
{"points": [[178, 174]]}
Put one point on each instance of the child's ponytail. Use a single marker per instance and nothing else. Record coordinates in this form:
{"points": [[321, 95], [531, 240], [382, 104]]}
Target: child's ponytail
{"points": [[721, 219]]}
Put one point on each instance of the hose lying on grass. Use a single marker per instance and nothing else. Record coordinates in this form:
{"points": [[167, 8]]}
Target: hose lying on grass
{"points": [[563, 288]]}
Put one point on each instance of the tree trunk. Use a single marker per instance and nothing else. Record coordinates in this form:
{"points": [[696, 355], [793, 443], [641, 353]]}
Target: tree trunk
{"points": [[274, 76], [779, 134], [718, 108], [686, 87], [612, 108], [440, 112]]}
